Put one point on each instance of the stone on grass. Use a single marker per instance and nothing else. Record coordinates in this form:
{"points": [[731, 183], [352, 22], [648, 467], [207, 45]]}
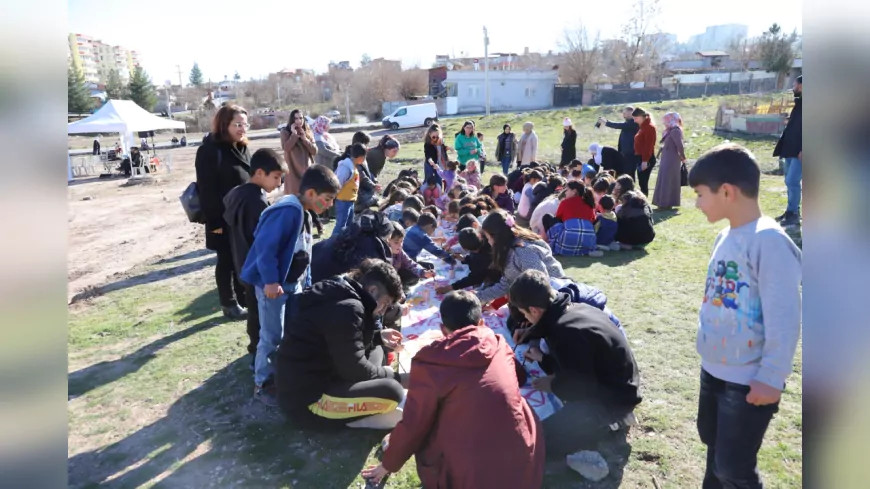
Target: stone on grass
{"points": [[589, 464]]}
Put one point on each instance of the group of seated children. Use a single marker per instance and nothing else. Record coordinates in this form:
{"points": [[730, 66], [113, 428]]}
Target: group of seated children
{"points": [[578, 210]]}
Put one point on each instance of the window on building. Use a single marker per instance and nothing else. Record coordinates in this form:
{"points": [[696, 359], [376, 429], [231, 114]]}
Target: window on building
{"points": [[531, 91], [474, 91]]}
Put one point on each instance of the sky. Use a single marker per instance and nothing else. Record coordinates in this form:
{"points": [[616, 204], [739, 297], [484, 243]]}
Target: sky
{"points": [[259, 37]]}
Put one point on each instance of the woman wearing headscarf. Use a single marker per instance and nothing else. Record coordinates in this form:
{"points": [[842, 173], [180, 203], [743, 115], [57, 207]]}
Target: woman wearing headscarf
{"points": [[327, 146], [673, 155], [607, 159], [297, 141], [527, 148], [569, 142]]}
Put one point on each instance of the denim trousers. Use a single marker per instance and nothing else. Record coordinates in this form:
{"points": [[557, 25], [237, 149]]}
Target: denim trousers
{"points": [[793, 176], [506, 165], [733, 431], [343, 215], [272, 313]]}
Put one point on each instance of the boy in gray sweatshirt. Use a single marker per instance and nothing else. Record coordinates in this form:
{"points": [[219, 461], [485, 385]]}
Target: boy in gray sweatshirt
{"points": [[750, 317]]}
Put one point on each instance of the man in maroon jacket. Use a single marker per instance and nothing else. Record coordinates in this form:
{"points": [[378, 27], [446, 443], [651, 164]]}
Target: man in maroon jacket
{"points": [[464, 417]]}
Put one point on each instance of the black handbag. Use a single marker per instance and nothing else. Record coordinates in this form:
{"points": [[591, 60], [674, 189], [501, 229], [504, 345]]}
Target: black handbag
{"points": [[191, 205], [684, 175]]}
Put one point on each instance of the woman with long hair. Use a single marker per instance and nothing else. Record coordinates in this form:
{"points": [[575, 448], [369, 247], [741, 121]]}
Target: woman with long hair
{"points": [[667, 194], [467, 145], [376, 158], [506, 148], [644, 147], [222, 163], [297, 141], [435, 150], [569, 142], [327, 147], [514, 250]]}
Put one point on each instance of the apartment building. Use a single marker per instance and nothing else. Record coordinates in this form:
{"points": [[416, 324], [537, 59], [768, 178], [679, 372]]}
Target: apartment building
{"points": [[95, 59]]}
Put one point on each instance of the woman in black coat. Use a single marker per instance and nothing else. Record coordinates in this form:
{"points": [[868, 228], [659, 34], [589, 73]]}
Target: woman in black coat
{"points": [[607, 158], [223, 162], [434, 149], [569, 143]]}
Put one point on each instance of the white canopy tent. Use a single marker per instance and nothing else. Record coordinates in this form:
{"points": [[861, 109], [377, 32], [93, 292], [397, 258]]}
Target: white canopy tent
{"points": [[123, 117]]}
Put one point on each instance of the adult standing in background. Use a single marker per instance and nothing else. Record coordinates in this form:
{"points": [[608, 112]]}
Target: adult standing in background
{"points": [[527, 148], [644, 147], [387, 148], [569, 142], [627, 131], [97, 145], [506, 148], [297, 141], [222, 163], [327, 146], [673, 155], [789, 147], [466, 143], [434, 149]]}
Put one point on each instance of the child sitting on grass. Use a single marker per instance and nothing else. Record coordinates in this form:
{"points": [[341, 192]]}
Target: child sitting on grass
{"points": [[478, 259], [452, 213], [471, 175], [394, 205], [431, 191], [606, 224], [409, 218], [499, 192], [635, 228], [576, 175], [589, 177], [579, 203], [464, 222], [409, 270], [418, 238], [448, 175]]}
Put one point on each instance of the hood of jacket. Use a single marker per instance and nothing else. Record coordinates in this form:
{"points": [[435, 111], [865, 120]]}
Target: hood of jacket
{"points": [[281, 204], [469, 347], [336, 289], [236, 197]]}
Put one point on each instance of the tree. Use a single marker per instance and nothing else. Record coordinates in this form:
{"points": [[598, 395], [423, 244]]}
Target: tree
{"points": [[77, 94], [777, 52], [115, 89], [195, 75], [641, 36], [413, 82], [582, 55], [142, 90], [236, 77], [743, 50], [366, 60]]}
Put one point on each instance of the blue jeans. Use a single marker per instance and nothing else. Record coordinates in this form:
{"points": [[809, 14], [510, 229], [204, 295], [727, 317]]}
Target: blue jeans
{"points": [[733, 431], [793, 175], [271, 329], [506, 164], [343, 215]]}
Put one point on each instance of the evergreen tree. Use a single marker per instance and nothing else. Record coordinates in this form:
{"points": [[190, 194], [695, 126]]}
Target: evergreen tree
{"points": [[195, 75], [115, 89], [777, 53], [237, 77], [141, 90], [77, 93]]}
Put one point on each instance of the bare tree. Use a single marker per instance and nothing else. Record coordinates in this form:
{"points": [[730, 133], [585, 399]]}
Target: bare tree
{"points": [[413, 82], [641, 35], [582, 54]]}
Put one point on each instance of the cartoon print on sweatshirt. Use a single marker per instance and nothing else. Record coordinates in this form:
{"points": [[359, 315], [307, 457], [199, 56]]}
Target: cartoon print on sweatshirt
{"points": [[724, 282]]}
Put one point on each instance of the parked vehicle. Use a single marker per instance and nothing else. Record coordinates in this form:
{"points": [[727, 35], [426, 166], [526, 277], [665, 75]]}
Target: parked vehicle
{"points": [[411, 116]]}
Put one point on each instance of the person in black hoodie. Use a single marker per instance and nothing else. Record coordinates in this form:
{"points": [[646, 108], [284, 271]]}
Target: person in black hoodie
{"points": [[479, 260], [635, 226], [366, 237], [222, 163], [627, 131], [790, 148], [243, 206], [589, 364], [331, 368]]}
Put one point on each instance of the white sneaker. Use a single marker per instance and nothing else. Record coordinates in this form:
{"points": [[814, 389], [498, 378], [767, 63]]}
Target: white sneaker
{"points": [[614, 246], [596, 253]]}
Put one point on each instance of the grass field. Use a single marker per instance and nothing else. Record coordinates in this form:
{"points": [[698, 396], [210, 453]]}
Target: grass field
{"points": [[160, 390]]}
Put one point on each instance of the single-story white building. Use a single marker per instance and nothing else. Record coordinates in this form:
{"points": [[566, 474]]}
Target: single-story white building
{"points": [[508, 90]]}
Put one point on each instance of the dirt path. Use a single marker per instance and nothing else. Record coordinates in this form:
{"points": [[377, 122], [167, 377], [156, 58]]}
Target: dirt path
{"points": [[114, 227]]}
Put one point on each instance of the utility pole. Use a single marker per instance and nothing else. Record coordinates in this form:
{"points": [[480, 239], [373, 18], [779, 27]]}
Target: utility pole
{"points": [[168, 101], [486, 67], [178, 69], [347, 103]]}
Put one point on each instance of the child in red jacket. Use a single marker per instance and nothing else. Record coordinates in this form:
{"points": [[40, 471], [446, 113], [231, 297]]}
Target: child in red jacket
{"points": [[579, 203]]}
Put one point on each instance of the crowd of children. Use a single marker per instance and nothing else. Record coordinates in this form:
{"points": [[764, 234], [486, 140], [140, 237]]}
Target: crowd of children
{"points": [[508, 234]]}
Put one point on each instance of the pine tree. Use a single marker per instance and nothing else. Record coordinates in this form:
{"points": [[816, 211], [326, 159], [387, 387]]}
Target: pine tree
{"points": [[77, 93], [115, 89], [237, 77], [777, 53], [141, 90], [195, 75]]}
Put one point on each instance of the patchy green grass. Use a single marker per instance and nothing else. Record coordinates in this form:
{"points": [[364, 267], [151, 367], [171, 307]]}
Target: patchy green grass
{"points": [[160, 389]]}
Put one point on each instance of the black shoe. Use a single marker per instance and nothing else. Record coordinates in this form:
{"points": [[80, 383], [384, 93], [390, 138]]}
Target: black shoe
{"points": [[235, 312], [783, 217], [792, 219]]}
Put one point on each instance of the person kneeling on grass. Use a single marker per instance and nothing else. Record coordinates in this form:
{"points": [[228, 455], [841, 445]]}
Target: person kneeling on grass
{"points": [[589, 364], [465, 419], [331, 370]]}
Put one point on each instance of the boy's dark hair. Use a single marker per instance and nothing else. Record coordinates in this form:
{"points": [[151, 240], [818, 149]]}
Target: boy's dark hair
{"points": [[380, 274], [480, 134], [564, 172], [357, 150], [532, 289], [465, 201], [319, 178], [412, 203], [410, 216], [426, 220], [398, 231], [472, 209], [419, 200], [601, 185], [266, 159], [452, 165], [432, 181], [431, 209], [606, 202], [590, 174], [486, 202], [465, 222], [469, 239], [727, 163], [576, 173], [575, 163], [361, 137], [453, 207], [497, 180], [459, 309], [535, 175]]}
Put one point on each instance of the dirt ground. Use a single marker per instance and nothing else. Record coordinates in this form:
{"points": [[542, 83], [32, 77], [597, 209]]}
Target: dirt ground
{"points": [[114, 226]]}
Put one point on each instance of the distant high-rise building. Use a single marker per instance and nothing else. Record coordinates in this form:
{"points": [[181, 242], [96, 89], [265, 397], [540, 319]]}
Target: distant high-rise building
{"points": [[95, 59], [717, 37]]}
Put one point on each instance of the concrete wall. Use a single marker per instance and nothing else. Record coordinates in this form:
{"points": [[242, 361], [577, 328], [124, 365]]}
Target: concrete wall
{"points": [[509, 90]]}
